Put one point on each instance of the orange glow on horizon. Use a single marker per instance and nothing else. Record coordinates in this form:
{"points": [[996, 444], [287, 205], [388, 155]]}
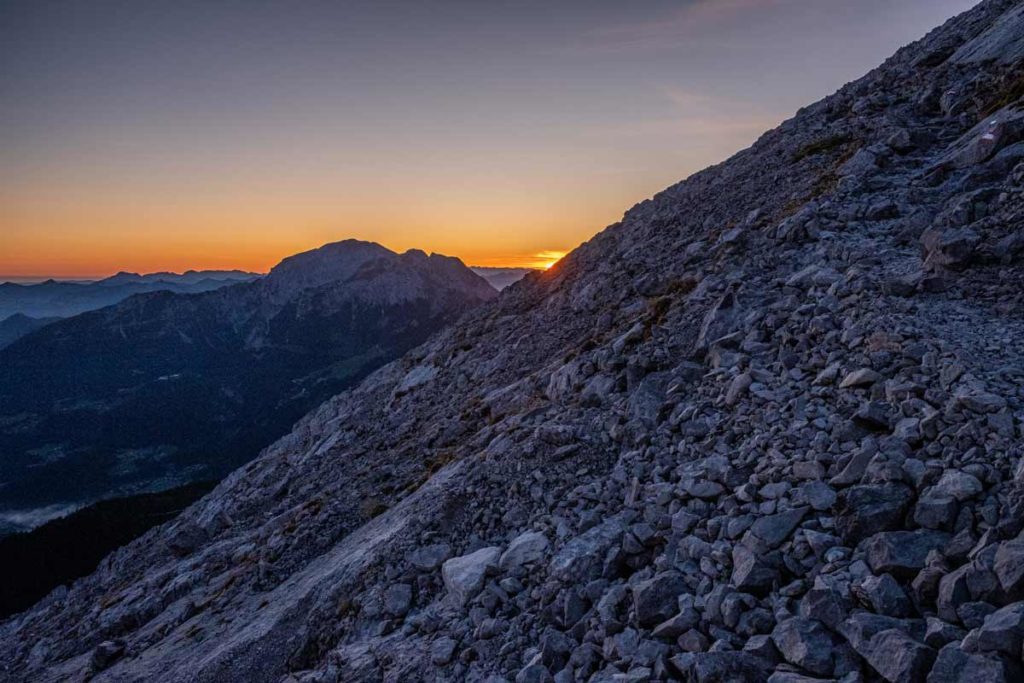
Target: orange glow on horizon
{"points": [[549, 258], [91, 258]]}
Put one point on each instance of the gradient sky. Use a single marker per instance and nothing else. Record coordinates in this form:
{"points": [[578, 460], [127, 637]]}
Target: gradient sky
{"points": [[171, 135]]}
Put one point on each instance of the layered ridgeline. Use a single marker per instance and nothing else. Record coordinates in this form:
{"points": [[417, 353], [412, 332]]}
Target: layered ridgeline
{"points": [[57, 299], [162, 389], [500, 278], [768, 425], [25, 308]]}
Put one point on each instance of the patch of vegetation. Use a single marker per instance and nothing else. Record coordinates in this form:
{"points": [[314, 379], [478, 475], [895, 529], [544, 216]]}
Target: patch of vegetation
{"points": [[372, 507], [822, 146], [64, 549], [1011, 92]]}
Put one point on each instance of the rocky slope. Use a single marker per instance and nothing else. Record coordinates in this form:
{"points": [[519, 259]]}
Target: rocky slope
{"points": [[165, 388], [767, 427]]}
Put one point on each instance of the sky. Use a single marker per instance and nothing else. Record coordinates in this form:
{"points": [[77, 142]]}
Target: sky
{"points": [[149, 136]]}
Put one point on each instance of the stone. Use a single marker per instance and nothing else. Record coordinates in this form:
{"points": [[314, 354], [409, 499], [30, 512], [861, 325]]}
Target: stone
{"points": [[656, 599], [804, 643], [185, 537], [948, 248], [973, 613], [886, 596], [953, 592], [677, 625], [873, 415], [397, 599], [580, 559], [938, 633], [957, 484], [429, 557], [863, 163], [902, 553], [981, 402], [864, 377], [867, 509], [719, 667], [1002, 631], [442, 650], [774, 529], [750, 573], [860, 627], [534, 673], [898, 658], [738, 388], [825, 604], [819, 495], [703, 488], [953, 665], [792, 677], [692, 641], [854, 469], [1009, 567], [762, 646], [936, 511], [106, 653], [464, 576], [525, 549]]}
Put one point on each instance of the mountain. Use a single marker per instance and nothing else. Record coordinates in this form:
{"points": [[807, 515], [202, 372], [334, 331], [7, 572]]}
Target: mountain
{"points": [[165, 388], [189, 277], [766, 427], [51, 298], [18, 325], [500, 278]]}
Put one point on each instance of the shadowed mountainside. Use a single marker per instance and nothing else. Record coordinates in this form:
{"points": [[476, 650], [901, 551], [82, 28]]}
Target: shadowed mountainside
{"points": [[162, 389]]}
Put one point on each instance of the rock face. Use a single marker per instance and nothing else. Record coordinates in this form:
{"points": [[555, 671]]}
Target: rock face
{"points": [[164, 389], [699, 527]]}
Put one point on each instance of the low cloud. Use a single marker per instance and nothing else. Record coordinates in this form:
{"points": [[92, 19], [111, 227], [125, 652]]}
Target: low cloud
{"points": [[693, 21]]}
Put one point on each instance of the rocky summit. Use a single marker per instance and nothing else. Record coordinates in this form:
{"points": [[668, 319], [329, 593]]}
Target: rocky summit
{"points": [[767, 427]]}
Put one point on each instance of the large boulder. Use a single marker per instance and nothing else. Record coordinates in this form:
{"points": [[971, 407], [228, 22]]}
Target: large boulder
{"points": [[806, 644], [864, 510], [657, 599], [902, 553], [524, 549], [581, 558], [1009, 567], [464, 576], [898, 658], [953, 665]]}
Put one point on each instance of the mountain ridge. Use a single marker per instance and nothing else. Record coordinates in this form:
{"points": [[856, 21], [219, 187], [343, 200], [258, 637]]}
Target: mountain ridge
{"points": [[53, 298], [163, 388]]}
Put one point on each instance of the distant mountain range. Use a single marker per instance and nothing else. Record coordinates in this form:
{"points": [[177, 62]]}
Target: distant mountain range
{"points": [[167, 387], [500, 278], [59, 299], [26, 307]]}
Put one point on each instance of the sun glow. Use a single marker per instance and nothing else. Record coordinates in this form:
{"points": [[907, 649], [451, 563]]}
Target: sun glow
{"points": [[546, 259]]}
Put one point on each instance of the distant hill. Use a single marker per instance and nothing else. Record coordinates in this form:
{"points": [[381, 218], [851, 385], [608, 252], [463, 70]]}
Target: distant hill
{"points": [[500, 278], [18, 325], [167, 388], [52, 298]]}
